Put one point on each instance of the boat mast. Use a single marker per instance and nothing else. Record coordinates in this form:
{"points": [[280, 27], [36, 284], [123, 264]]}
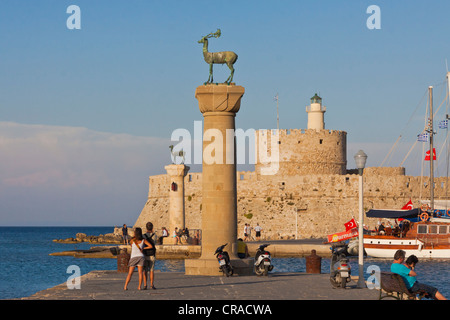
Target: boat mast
{"points": [[447, 118], [430, 92]]}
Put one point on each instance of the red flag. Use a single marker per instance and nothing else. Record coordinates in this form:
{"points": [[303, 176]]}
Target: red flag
{"points": [[408, 206], [427, 155], [350, 225]]}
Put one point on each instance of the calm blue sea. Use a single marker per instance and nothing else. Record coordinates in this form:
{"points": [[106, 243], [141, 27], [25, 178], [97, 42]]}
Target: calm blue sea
{"points": [[26, 267]]}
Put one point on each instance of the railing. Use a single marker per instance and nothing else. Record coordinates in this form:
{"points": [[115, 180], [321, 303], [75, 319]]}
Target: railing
{"points": [[321, 108]]}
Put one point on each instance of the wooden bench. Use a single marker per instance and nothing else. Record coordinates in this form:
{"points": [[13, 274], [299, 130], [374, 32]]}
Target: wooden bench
{"points": [[392, 285]]}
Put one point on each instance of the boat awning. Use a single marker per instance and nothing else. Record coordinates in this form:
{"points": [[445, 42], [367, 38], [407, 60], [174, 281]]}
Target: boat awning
{"points": [[392, 214]]}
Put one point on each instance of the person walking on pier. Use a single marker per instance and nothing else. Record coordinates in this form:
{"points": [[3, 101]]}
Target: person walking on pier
{"points": [[245, 232], [149, 256], [258, 230], [137, 257]]}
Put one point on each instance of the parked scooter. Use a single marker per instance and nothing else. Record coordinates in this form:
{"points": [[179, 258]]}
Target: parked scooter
{"points": [[263, 263], [340, 270], [224, 261]]}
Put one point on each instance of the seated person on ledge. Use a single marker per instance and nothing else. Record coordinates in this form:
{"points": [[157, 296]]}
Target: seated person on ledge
{"points": [[242, 249], [406, 271]]}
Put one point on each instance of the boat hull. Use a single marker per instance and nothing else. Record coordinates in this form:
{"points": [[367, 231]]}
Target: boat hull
{"points": [[386, 248]]}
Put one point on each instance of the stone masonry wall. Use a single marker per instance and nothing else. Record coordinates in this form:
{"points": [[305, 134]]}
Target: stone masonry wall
{"points": [[303, 152], [321, 203]]}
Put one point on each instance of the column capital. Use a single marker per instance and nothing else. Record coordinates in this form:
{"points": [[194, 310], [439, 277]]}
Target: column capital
{"points": [[174, 170], [219, 97]]}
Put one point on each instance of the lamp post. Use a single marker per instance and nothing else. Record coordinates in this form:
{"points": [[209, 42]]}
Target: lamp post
{"points": [[360, 159], [296, 223]]}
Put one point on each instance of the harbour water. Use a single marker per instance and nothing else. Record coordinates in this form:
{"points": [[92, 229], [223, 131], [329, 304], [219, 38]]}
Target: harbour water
{"points": [[26, 266]]}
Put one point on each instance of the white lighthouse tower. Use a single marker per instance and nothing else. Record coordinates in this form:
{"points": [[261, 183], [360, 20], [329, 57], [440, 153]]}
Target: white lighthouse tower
{"points": [[316, 113]]}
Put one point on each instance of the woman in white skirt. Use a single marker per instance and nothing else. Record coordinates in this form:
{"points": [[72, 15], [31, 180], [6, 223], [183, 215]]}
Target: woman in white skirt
{"points": [[137, 257]]}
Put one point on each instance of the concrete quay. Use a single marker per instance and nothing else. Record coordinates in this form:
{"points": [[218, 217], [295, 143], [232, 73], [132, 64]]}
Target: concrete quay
{"points": [[277, 248], [108, 285]]}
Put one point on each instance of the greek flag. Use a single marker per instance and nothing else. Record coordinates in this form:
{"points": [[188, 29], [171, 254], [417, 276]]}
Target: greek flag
{"points": [[443, 124], [423, 137]]}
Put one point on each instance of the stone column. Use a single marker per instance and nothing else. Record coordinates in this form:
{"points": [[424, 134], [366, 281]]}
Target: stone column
{"points": [[219, 104], [176, 173]]}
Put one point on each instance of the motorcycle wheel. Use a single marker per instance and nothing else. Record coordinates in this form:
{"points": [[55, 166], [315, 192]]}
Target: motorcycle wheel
{"points": [[225, 271], [259, 270], [333, 280], [343, 282], [266, 270]]}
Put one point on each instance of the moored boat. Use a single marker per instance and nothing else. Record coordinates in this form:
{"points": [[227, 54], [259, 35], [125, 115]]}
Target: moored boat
{"points": [[417, 233]]}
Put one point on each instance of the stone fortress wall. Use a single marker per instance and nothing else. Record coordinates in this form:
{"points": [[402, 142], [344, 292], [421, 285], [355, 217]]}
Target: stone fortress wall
{"points": [[312, 193], [322, 203]]}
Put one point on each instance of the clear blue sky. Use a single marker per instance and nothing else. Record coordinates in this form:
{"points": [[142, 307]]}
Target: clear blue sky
{"points": [[86, 115]]}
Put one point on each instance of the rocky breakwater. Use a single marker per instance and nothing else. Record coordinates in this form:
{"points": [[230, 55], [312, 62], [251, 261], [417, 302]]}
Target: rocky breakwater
{"points": [[93, 252], [109, 238]]}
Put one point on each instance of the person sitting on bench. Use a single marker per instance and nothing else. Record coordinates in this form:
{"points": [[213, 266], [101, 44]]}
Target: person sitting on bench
{"points": [[406, 271]]}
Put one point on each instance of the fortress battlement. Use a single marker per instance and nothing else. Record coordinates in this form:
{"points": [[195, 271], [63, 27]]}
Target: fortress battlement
{"points": [[291, 132]]}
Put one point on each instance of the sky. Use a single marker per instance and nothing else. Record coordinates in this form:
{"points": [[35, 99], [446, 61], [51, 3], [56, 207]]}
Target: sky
{"points": [[87, 115]]}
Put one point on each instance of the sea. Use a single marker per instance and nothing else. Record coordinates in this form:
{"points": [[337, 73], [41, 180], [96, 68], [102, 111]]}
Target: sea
{"points": [[26, 266]]}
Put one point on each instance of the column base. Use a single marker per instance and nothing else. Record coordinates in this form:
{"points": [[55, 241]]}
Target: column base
{"points": [[210, 267]]}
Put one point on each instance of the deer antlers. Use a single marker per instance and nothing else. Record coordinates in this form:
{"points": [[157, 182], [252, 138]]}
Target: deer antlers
{"points": [[215, 34]]}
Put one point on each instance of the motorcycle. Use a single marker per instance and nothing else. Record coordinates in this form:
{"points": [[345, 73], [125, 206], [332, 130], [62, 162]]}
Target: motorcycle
{"points": [[262, 261], [340, 270], [224, 261]]}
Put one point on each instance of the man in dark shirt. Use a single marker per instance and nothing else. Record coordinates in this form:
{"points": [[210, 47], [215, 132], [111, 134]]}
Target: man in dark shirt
{"points": [[149, 255], [125, 234]]}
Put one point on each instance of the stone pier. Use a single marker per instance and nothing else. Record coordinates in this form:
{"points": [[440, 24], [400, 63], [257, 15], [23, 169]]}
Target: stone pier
{"points": [[176, 173], [219, 104]]}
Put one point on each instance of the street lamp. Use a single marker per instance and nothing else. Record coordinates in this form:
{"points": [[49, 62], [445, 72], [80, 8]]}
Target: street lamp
{"points": [[360, 159], [296, 223]]}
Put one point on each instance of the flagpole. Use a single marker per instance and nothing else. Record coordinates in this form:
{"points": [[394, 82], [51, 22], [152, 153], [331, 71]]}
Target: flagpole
{"points": [[430, 90]]}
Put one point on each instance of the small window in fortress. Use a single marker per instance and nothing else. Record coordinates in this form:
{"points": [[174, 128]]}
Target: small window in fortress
{"points": [[347, 179], [338, 143], [298, 142], [190, 178], [279, 142], [321, 140]]}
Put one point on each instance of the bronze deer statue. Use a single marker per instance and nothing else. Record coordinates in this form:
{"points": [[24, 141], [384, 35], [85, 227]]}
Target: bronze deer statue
{"points": [[228, 57]]}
